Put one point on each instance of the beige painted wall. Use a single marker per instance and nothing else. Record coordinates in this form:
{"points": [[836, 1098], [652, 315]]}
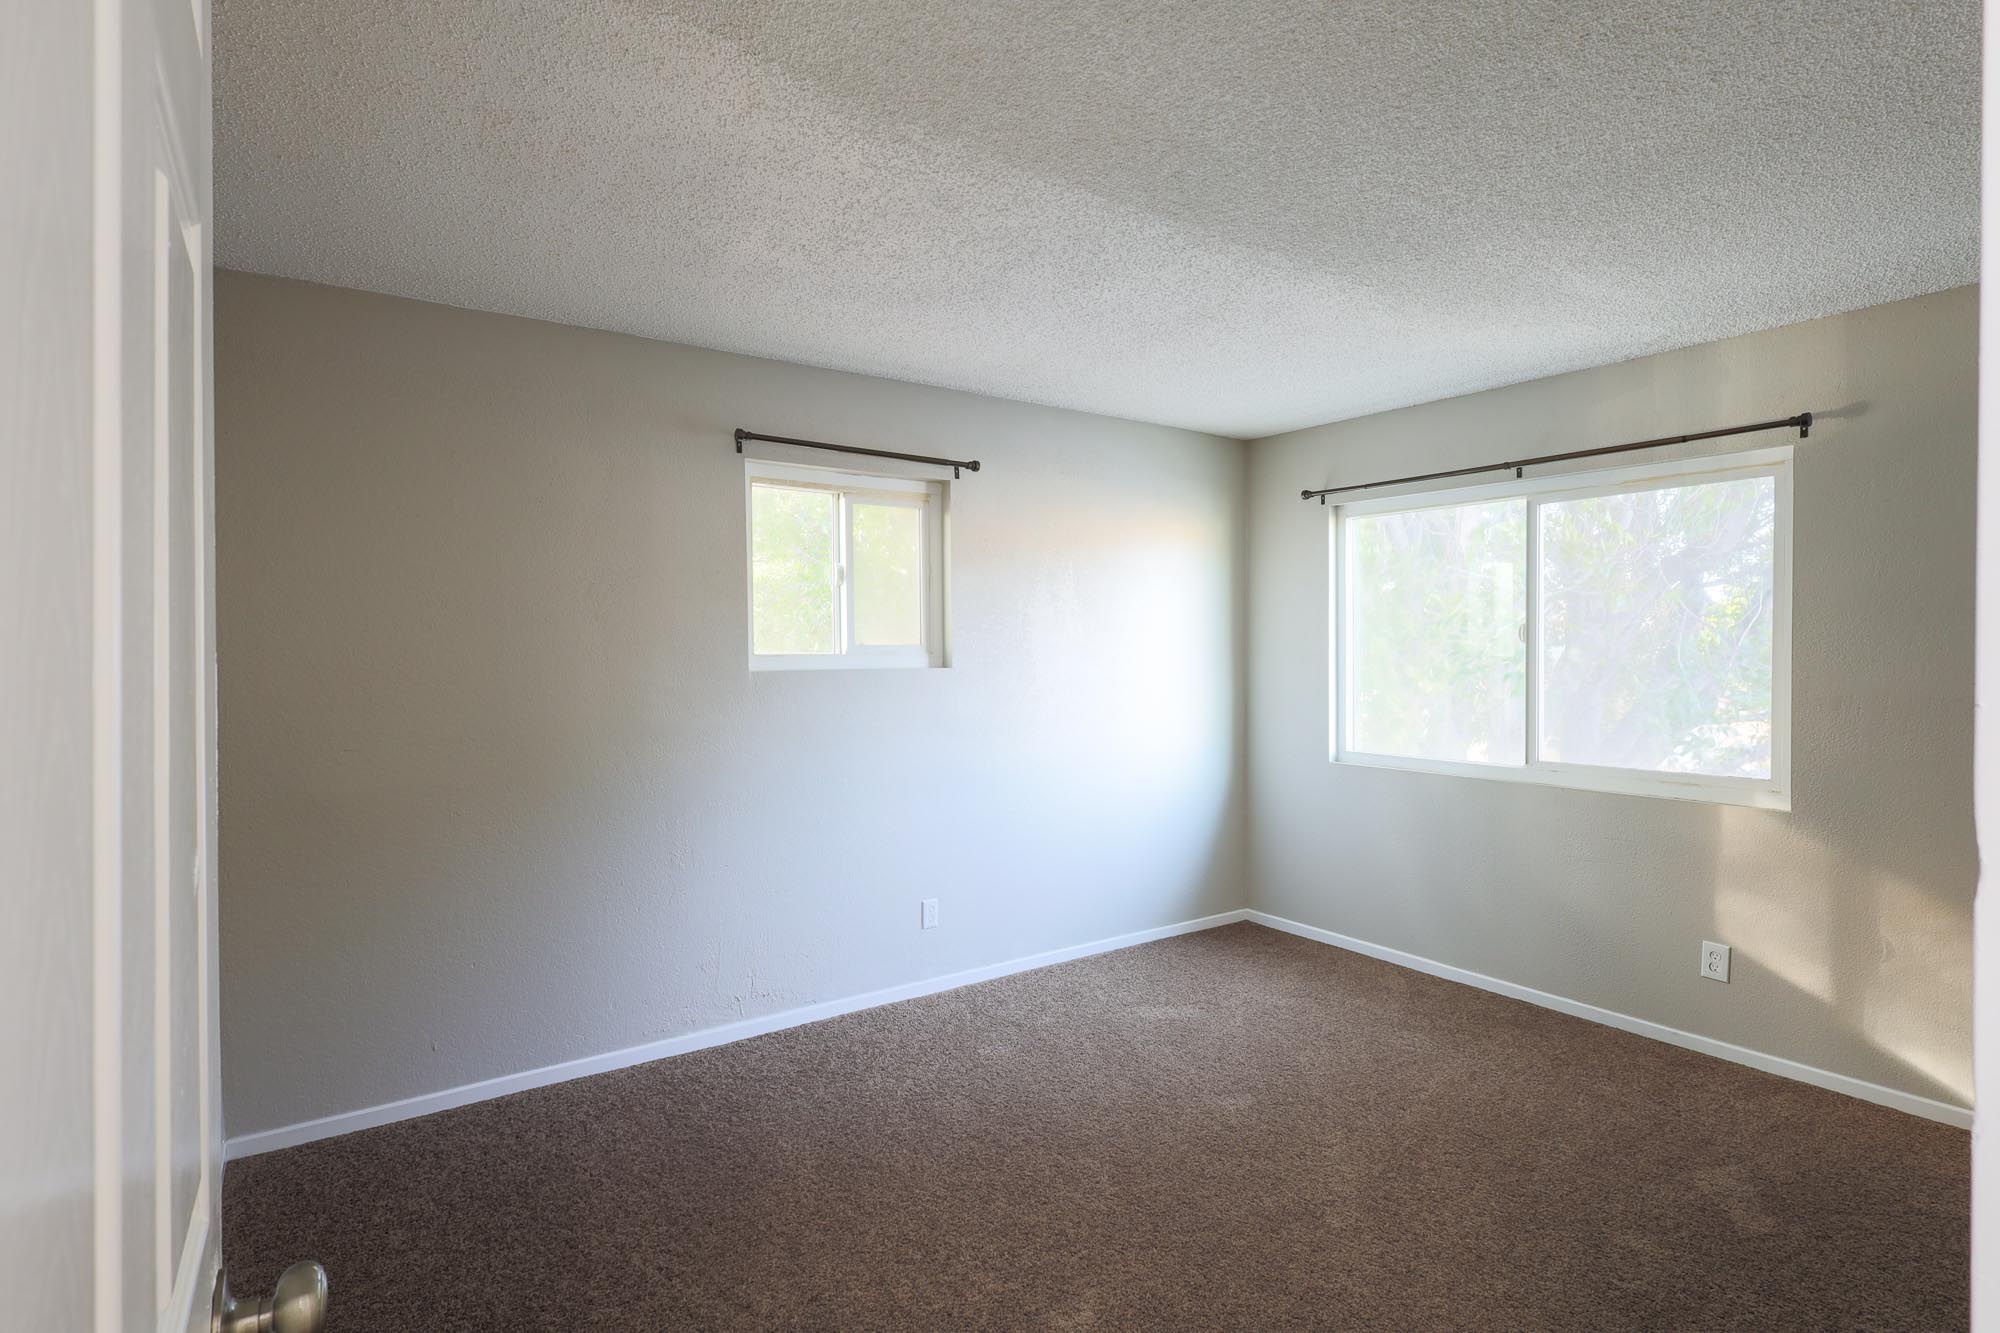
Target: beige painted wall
{"points": [[1851, 915], [498, 789]]}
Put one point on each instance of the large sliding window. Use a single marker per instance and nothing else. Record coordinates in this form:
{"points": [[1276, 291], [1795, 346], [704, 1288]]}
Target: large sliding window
{"points": [[1623, 631]]}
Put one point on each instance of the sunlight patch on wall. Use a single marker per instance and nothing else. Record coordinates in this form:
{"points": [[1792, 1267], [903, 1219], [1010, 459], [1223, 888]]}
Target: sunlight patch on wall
{"points": [[1776, 912], [1914, 1004]]}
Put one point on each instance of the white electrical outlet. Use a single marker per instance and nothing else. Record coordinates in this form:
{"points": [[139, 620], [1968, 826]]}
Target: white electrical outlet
{"points": [[1714, 960], [928, 915]]}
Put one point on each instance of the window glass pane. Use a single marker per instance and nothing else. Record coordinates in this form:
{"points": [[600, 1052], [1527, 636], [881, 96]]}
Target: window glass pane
{"points": [[792, 570], [1437, 658], [1656, 628], [888, 587]]}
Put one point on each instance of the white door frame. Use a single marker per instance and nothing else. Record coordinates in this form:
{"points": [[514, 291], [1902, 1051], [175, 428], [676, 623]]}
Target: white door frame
{"points": [[1986, 730]]}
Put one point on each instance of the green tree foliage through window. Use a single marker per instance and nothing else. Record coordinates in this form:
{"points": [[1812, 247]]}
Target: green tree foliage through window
{"points": [[1438, 662], [793, 567], [888, 588], [1656, 608], [1657, 628]]}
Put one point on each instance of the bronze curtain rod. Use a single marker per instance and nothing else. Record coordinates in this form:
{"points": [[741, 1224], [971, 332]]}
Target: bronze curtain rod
{"points": [[1803, 421], [970, 465]]}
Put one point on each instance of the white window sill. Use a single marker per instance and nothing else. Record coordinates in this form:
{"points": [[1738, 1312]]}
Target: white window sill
{"points": [[845, 662], [1761, 794]]}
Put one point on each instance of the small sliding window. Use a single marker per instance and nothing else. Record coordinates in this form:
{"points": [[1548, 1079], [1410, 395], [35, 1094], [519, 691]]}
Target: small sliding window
{"points": [[1624, 631], [845, 569]]}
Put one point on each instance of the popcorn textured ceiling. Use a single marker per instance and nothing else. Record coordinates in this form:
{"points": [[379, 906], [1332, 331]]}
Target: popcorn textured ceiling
{"points": [[1236, 217]]}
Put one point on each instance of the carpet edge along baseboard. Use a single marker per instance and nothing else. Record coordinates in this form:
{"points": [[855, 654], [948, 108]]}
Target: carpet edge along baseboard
{"points": [[348, 1122]]}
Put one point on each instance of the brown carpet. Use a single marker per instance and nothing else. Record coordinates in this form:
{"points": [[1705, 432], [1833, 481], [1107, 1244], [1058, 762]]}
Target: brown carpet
{"points": [[1237, 1129]]}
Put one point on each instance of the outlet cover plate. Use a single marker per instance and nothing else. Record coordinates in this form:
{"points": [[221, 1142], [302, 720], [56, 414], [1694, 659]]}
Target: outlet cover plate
{"points": [[1714, 960], [927, 914]]}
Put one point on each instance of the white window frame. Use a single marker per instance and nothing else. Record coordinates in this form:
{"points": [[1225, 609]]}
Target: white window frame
{"points": [[847, 488], [1773, 793]]}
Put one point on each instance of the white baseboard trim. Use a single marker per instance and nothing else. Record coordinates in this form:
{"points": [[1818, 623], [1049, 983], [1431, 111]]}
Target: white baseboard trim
{"points": [[347, 1122], [1928, 1108]]}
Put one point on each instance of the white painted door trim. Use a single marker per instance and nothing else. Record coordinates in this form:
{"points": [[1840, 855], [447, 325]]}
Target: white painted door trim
{"points": [[1986, 731], [155, 1090]]}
